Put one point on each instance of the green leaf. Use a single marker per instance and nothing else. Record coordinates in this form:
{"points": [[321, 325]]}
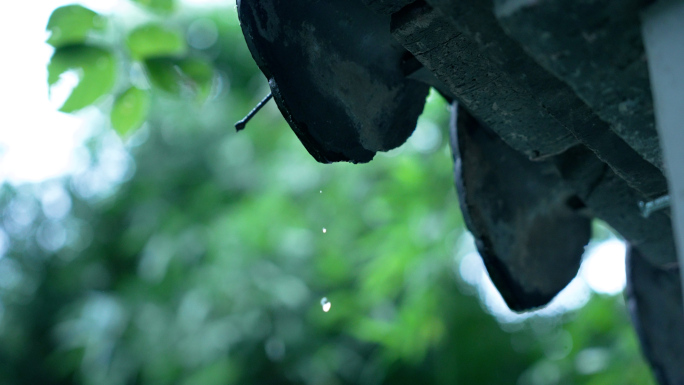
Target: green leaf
{"points": [[177, 75], [154, 40], [96, 68], [159, 6], [71, 24], [130, 110], [163, 74], [200, 74]]}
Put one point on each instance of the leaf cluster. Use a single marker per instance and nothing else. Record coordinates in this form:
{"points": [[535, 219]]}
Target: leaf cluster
{"points": [[102, 50]]}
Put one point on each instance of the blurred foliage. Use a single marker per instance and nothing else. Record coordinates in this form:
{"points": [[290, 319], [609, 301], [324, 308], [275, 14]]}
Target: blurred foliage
{"points": [[203, 258], [153, 40], [130, 110], [71, 25], [96, 68]]}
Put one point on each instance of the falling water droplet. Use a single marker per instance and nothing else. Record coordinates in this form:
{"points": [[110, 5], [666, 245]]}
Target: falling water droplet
{"points": [[325, 304]]}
